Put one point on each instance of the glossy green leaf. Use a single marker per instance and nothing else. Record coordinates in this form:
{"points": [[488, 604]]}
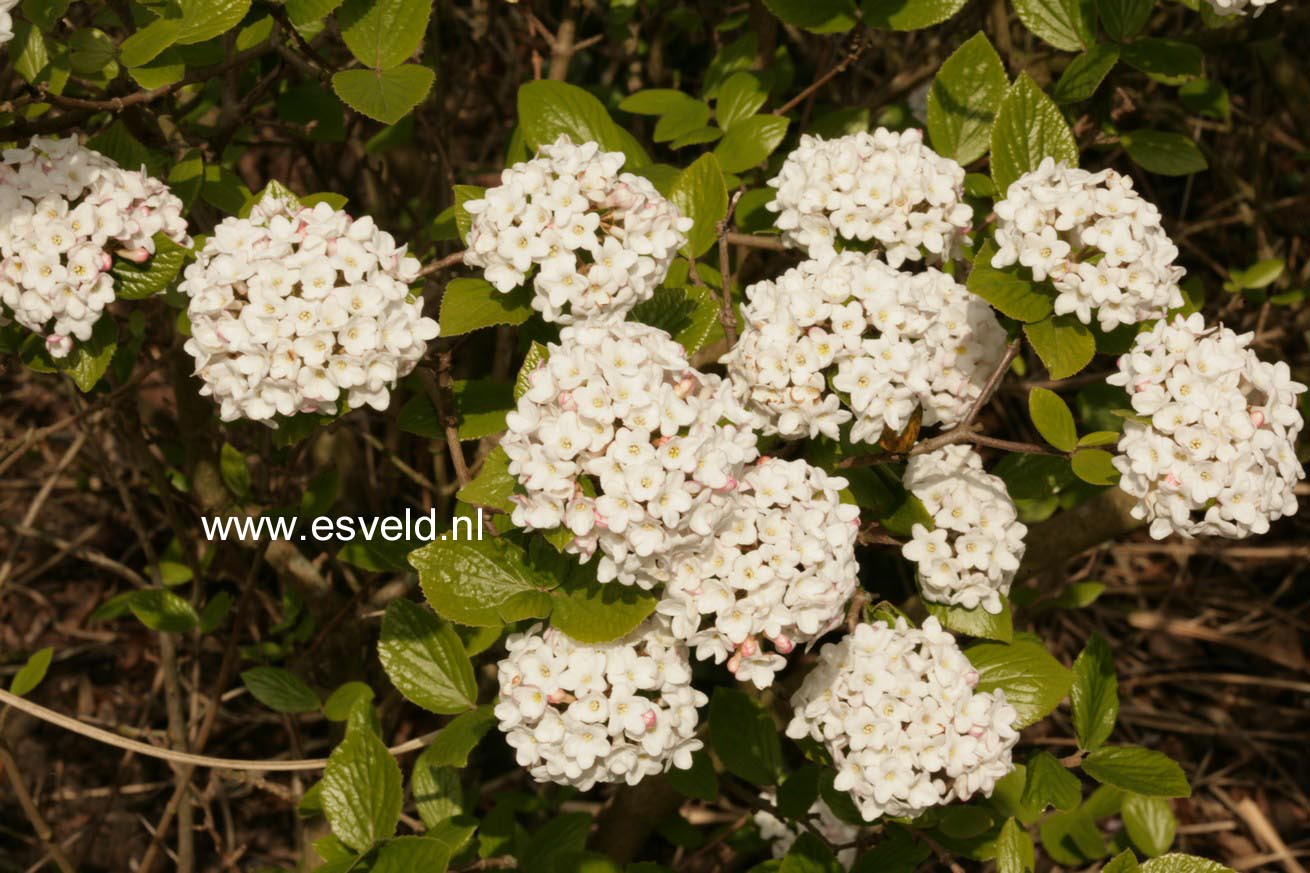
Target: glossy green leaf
{"points": [[484, 583], [1150, 823], [976, 622], [454, 743], [1064, 344], [963, 100], [549, 109], [909, 14], [1049, 783], [744, 737], [1006, 290], [750, 142], [384, 33], [1085, 74], [362, 790], [1034, 682], [32, 673], [1142, 771], [701, 195], [280, 690], [1095, 467], [1014, 849], [384, 95], [163, 611], [1095, 694], [1163, 152], [425, 659], [1028, 128], [1069, 25], [817, 16], [1122, 19], [1052, 418], [470, 304]]}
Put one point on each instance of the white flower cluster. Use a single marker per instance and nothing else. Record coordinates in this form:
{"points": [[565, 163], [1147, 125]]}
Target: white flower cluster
{"points": [[578, 714], [1096, 239], [619, 408], [884, 188], [970, 556], [296, 308], [603, 240], [6, 21], [781, 569], [1240, 7], [782, 836], [890, 342], [65, 213], [1216, 454], [897, 710]]}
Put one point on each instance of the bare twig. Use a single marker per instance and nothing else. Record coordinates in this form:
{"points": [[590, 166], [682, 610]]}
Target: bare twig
{"points": [[43, 832]]}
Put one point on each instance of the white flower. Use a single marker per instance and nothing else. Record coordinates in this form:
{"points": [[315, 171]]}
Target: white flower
{"points": [[896, 709], [1098, 242], [6, 21], [616, 712], [621, 442], [602, 240], [1215, 450], [1239, 7], [780, 570], [65, 213], [889, 341], [782, 836], [882, 188], [970, 556], [296, 309]]}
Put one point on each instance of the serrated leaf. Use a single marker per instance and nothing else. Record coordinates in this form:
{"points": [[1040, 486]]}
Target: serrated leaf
{"points": [[280, 690], [44, 13], [454, 743], [1165, 60], [409, 855], [592, 612], [1049, 783], [963, 100], [1069, 25], [816, 16], [976, 622], [1122, 19], [1124, 862], [88, 360], [740, 96], [493, 485], [205, 19], [701, 195], [690, 314], [548, 109], [1009, 292], [909, 14], [1142, 771], [1064, 344], [1014, 849], [1072, 838], [425, 659], [1085, 74], [744, 737], [234, 470], [1034, 682], [148, 42], [163, 611], [1163, 152], [1180, 863], [1095, 694], [91, 51], [750, 142], [536, 356], [483, 583], [683, 121], [436, 789], [305, 12], [362, 791], [470, 304], [1095, 467], [384, 95], [33, 671], [1028, 128], [1052, 418], [1150, 823], [340, 702], [383, 33], [699, 780]]}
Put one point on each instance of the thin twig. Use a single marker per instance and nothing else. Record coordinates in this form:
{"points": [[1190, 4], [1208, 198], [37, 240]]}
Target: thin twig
{"points": [[43, 831], [443, 264], [727, 314]]}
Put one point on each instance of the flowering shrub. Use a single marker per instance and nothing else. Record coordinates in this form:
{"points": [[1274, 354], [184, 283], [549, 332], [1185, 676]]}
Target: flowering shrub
{"points": [[773, 381]]}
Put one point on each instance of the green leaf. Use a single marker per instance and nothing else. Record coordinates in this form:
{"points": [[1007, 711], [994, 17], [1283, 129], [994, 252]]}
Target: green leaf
{"points": [[1179, 863], [1139, 770], [688, 118], [1069, 25], [1124, 862], [1052, 418], [1009, 292], [809, 854], [1259, 275], [1122, 19], [798, 792], [148, 42], [163, 611], [463, 220], [89, 360], [91, 52], [700, 194], [384, 33], [1095, 467], [1049, 783], [656, 101], [1028, 128], [45, 13], [536, 356], [976, 622], [909, 14], [470, 304], [548, 109], [493, 485], [235, 471], [1095, 694], [1163, 152], [561, 836], [699, 780], [592, 612], [963, 100], [1014, 849], [1085, 73], [340, 702], [1072, 838], [1206, 98], [32, 672], [384, 95], [483, 583], [425, 659], [1064, 344], [280, 690], [303, 12], [205, 19], [409, 855], [816, 16], [454, 743], [1150, 823], [436, 790], [744, 737], [750, 142], [362, 791], [690, 314], [899, 852], [740, 96], [1165, 60], [1034, 682]]}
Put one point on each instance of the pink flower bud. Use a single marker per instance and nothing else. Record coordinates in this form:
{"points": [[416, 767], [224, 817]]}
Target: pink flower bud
{"points": [[566, 400], [559, 695], [136, 256], [105, 261], [648, 718], [686, 386], [783, 644], [749, 647], [734, 664], [1172, 480], [971, 678], [1257, 417]]}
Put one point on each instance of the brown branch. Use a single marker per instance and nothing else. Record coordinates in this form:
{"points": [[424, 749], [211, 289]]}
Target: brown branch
{"points": [[852, 55], [43, 832], [442, 264], [768, 243], [727, 315]]}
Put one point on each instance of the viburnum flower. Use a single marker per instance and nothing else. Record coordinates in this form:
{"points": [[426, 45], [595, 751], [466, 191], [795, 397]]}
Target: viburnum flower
{"points": [[970, 556], [1214, 452], [849, 338], [617, 712], [621, 442], [897, 710], [595, 241], [780, 570], [1098, 242], [782, 836], [6, 21], [882, 188], [65, 213], [1240, 7], [298, 308]]}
